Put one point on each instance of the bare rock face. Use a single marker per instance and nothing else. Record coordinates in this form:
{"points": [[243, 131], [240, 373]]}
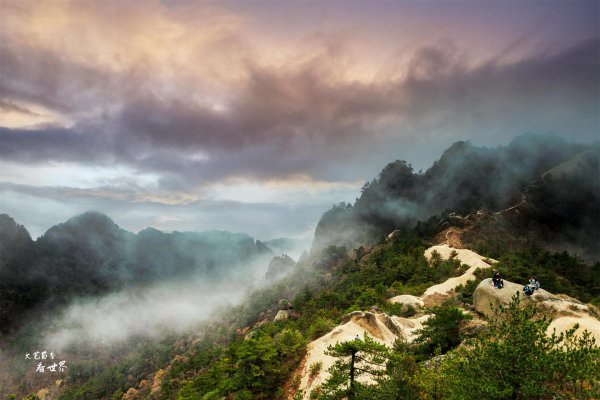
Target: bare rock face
{"points": [[392, 236], [408, 300], [565, 311], [435, 299], [380, 326], [386, 329], [486, 297], [468, 257]]}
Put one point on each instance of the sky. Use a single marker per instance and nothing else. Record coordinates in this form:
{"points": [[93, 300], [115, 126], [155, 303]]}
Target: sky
{"points": [[256, 116]]}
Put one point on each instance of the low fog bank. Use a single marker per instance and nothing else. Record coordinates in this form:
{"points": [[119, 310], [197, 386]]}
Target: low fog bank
{"points": [[91, 257], [152, 311]]}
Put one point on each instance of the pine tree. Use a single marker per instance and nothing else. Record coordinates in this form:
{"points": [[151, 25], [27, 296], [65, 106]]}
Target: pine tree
{"points": [[355, 358]]}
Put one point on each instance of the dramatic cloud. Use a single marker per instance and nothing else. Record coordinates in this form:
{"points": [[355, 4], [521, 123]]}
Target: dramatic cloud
{"points": [[204, 95]]}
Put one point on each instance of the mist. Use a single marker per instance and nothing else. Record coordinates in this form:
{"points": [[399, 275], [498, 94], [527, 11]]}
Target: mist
{"points": [[153, 311], [467, 178], [103, 284]]}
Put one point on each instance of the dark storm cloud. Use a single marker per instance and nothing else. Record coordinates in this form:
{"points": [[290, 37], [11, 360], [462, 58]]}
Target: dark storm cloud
{"points": [[40, 145], [45, 77], [283, 122]]}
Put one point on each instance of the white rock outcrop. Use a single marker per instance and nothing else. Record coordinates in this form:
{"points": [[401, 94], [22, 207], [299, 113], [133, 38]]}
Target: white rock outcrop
{"points": [[565, 311], [385, 329], [407, 300], [468, 257], [381, 327]]}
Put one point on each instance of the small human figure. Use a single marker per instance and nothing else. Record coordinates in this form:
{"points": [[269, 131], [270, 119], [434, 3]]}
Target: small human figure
{"points": [[497, 280], [531, 286], [534, 282]]}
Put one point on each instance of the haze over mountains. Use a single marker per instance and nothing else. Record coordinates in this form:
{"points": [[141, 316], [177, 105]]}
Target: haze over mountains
{"points": [[102, 285], [89, 255], [552, 184], [555, 183]]}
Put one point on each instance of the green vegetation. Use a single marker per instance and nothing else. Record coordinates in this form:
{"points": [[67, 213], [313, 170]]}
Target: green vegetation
{"points": [[557, 272], [254, 368], [513, 359], [354, 359], [441, 332]]}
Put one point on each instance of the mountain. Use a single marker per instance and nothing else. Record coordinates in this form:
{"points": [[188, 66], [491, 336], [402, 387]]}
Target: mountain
{"points": [[16, 286], [276, 343], [561, 178], [279, 266], [89, 255], [559, 210], [16, 248]]}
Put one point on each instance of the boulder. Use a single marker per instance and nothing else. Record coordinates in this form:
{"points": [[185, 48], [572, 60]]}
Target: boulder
{"points": [[284, 304], [392, 236], [407, 300], [585, 322], [282, 315], [486, 297], [565, 311]]}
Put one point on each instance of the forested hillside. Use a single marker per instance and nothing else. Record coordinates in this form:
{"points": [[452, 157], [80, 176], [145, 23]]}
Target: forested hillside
{"points": [[561, 200]]}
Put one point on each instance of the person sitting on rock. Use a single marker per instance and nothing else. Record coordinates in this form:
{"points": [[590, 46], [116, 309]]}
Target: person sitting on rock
{"points": [[497, 280], [534, 283], [531, 286]]}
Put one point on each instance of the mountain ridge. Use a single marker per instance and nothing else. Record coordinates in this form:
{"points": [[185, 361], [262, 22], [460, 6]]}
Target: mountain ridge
{"points": [[467, 179], [89, 255]]}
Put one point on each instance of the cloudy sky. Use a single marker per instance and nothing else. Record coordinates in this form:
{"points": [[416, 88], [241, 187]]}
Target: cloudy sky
{"points": [[257, 116]]}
